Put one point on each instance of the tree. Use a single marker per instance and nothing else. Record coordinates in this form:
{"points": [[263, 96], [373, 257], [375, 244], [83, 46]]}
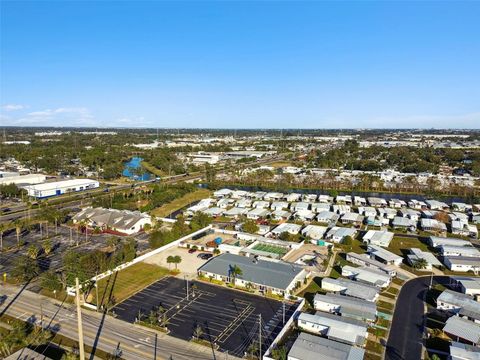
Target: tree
{"points": [[164, 321], [47, 246], [3, 227], [177, 260], [347, 240], [25, 269], [152, 317], [420, 264], [197, 332], [199, 221], [235, 271], [250, 226], [50, 280], [33, 251], [18, 229], [280, 353], [169, 260]]}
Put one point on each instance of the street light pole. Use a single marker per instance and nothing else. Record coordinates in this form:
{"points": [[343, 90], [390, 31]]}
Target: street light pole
{"points": [[79, 321]]}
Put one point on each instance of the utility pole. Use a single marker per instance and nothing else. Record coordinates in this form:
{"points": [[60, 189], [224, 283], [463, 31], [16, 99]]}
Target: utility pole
{"points": [[96, 291], [79, 321], [187, 286], [260, 336]]}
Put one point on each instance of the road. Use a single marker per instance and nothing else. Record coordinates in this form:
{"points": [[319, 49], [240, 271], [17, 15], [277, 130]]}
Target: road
{"points": [[405, 341], [100, 332]]}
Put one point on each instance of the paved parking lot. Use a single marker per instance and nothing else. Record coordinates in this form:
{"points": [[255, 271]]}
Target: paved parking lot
{"points": [[228, 318]]}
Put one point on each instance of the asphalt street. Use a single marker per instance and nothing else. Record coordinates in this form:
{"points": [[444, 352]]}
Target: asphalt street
{"points": [[100, 331], [405, 341]]}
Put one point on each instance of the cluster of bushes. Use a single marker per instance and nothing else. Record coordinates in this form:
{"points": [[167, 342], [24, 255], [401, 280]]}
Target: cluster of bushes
{"points": [[179, 229]]}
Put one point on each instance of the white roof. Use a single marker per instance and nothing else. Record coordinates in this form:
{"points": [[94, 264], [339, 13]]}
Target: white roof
{"points": [[61, 184], [339, 328], [383, 254], [381, 238], [314, 231]]}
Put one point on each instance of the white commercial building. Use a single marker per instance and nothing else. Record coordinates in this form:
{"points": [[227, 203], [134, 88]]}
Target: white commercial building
{"points": [[29, 179], [60, 187], [122, 221]]}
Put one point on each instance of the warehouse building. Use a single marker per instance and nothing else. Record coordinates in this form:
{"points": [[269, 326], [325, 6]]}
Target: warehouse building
{"points": [[29, 179], [45, 190]]}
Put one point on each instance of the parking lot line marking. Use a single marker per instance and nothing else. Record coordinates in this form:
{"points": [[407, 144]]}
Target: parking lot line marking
{"points": [[233, 326]]}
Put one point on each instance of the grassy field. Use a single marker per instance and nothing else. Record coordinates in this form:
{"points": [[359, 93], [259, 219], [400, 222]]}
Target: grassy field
{"points": [[398, 243], [125, 283], [279, 164], [152, 169], [181, 202]]}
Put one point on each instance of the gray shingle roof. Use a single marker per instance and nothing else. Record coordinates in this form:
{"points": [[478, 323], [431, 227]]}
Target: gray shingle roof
{"points": [[278, 275]]}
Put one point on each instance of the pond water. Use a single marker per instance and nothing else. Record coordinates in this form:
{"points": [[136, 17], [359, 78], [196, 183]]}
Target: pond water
{"points": [[130, 167]]}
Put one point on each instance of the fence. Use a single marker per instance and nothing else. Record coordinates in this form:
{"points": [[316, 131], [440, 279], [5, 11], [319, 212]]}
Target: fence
{"points": [[282, 333], [71, 290]]}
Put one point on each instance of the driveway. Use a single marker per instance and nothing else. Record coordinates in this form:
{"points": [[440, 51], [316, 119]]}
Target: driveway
{"points": [[405, 340], [189, 265]]}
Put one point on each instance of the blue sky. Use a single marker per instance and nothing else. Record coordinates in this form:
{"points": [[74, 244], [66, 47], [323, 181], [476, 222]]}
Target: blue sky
{"points": [[240, 64]]}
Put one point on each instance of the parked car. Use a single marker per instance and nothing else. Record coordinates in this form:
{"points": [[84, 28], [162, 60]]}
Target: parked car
{"points": [[192, 250], [204, 256]]}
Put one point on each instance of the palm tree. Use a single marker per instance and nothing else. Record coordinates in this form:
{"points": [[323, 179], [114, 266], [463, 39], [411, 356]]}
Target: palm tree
{"points": [[47, 246], [197, 332], [169, 261], [177, 259], [164, 321], [33, 251], [3, 227], [18, 229], [235, 271], [420, 264]]}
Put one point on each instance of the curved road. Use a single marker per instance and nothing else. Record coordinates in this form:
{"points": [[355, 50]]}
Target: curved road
{"points": [[405, 340]]}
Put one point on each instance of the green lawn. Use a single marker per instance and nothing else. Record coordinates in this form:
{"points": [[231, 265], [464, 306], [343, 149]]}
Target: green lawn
{"points": [[385, 305], [119, 286], [150, 168], [313, 288], [270, 248], [181, 202], [400, 243], [374, 347]]}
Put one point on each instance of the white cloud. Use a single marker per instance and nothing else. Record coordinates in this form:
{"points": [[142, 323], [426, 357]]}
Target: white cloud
{"points": [[14, 107], [64, 116]]}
